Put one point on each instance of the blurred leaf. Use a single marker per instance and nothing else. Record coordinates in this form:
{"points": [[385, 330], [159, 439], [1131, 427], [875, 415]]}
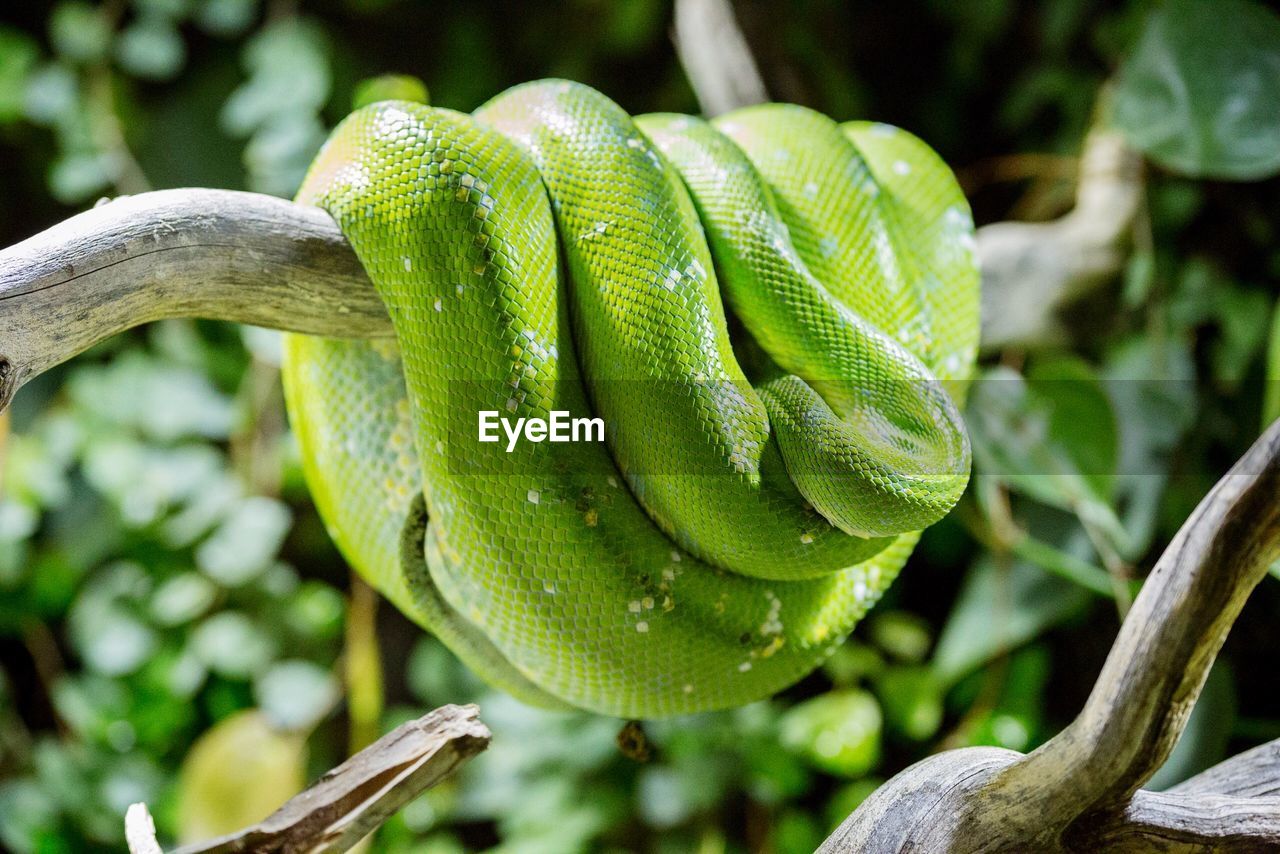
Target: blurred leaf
{"points": [[151, 48], [226, 17], [295, 694], [146, 481], [663, 797], [159, 400], [246, 541], [997, 611], [181, 599], [111, 640], [108, 635], [315, 611], [851, 662], [79, 176], [289, 71], [1271, 391], [838, 732], [232, 645], [912, 701], [1199, 92], [904, 636], [166, 8], [17, 521], [281, 150], [79, 31], [27, 813], [18, 56], [1205, 294], [435, 676], [848, 798], [389, 87], [266, 345], [278, 107], [237, 773], [1051, 434], [1016, 716], [796, 833]]}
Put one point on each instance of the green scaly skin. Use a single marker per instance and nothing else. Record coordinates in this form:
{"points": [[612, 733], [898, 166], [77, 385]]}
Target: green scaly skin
{"points": [[551, 253]]}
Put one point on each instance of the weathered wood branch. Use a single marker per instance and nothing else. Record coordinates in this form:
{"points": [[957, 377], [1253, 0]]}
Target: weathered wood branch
{"points": [[351, 801], [1254, 773], [1166, 646], [716, 57], [1080, 790], [177, 253], [1183, 824], [1031, 270]]}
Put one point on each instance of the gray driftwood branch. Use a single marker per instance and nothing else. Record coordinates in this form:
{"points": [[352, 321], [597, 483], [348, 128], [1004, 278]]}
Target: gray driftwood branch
{"points": [[1032, 270], [351, 801], [177, 253], [1080, 791], [716, 56]]}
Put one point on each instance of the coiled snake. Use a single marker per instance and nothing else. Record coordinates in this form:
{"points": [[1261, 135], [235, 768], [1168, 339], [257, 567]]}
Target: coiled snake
{"points": [[760, 486]]}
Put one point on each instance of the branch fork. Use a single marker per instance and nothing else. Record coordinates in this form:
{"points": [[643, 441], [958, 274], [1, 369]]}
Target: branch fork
{"points": [[1080, 791]]}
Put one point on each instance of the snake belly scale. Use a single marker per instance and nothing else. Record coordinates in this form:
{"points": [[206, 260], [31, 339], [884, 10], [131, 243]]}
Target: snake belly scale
{"points": [[757, 490]]}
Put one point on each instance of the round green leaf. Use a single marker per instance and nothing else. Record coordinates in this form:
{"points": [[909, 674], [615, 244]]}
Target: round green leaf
{"points": [[152, 49], [237, 773], [1201, 92], [838, 732], [79, 32], [295, 694]]}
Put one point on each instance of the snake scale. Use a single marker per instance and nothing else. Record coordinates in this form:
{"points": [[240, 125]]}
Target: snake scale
{"points": [[771, 312]]}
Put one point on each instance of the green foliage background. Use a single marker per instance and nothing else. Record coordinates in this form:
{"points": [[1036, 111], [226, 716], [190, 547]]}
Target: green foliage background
{"points": [[162, 572]]}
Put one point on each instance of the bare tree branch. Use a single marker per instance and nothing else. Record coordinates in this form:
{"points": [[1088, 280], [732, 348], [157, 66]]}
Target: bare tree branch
{"points": [[716, 57], [351, 801], [1081, 786], [1162, 655], [1165, 822], [1254, 773], [1030, 270], [177, 253]]}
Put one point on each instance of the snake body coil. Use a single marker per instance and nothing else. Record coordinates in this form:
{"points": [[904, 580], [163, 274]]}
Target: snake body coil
{"points": [[753, 498]]}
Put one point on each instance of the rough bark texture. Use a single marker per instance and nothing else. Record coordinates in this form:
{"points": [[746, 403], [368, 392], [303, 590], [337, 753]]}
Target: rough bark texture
{"points": [[350, 801], [1080, 791], [1254, 773], [177, 253]]}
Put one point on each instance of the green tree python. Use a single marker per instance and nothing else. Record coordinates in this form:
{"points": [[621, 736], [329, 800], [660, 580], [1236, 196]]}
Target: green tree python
{"points": [[771, 312]]}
